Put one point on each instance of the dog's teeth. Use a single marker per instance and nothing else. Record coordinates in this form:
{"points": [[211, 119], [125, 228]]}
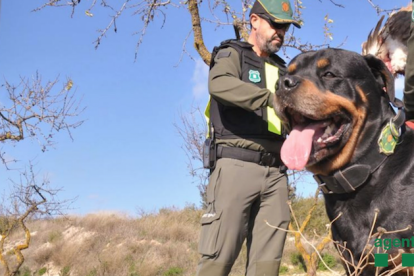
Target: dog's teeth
{"points": [[328, 130], [319, 140], [330, 139]]}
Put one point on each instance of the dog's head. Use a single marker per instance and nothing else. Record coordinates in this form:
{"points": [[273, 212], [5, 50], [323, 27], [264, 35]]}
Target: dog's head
{"points": [[334, 102]]}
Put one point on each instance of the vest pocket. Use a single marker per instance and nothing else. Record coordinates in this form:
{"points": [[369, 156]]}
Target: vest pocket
{"points": [[210, 226]]}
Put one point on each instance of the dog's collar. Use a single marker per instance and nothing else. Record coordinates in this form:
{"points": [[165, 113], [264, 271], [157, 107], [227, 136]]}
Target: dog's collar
{"points": [[354, 176], [347, 180]]}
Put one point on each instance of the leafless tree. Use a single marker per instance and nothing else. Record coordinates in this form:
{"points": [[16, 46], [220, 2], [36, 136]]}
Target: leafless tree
{"points": [[27, 199], [192, 129], [221, 13], [36, 110]]}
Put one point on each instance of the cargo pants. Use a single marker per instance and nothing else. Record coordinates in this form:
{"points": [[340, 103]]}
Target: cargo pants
{"points": [[241, 196]]}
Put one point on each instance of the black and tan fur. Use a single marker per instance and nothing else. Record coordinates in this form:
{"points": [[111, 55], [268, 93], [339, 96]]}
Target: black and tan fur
{"points": [[334, 82]]}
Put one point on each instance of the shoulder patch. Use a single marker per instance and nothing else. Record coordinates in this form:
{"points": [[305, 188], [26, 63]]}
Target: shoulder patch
{"points": [[223, 54]]}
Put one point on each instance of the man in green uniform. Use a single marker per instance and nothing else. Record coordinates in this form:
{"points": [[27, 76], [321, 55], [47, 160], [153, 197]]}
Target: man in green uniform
{"points": [[409, 77], [247, 186]]}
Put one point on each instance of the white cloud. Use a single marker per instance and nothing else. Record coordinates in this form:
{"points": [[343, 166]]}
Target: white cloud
{"points": [[200, 80]]}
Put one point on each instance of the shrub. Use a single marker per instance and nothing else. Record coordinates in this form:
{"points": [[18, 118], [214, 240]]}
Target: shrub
{"points": [[65, 271], [42, 271], [4, 223], [297, 259], [329, 260], [25, 271], [174, 271], [283, 269], [319, 219]]}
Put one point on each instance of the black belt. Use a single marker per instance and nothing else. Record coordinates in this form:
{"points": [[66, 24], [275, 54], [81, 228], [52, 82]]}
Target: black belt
{"points": [[261, 158]]}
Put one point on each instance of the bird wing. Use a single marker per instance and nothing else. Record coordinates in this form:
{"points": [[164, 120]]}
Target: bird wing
{"points": [[389, 43], [374, 40]]}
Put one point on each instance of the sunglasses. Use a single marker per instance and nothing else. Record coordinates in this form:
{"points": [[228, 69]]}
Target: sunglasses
{"points": [[278, 26]]}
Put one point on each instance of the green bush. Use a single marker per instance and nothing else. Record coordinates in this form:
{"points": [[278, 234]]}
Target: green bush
{"points": [[301, 207], [4, 223], [329, 260], [25, 271], [283, 269], [297, 260], [174, 271], [42, 271], [65, 271]]}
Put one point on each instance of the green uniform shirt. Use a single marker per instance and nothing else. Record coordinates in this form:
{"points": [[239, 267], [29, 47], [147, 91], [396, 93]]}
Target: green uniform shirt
{"points": [[225, 86]]}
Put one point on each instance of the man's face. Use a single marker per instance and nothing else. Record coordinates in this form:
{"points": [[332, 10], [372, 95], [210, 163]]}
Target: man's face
{"points": [[270, 36]]}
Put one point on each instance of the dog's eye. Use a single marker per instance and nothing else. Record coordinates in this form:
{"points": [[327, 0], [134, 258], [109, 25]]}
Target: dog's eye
{"points": [[328, 75]]}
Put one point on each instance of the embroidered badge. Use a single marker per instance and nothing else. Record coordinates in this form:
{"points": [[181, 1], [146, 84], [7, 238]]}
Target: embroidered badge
{"points": [[388, 139], [285, 7], [254, 76]]}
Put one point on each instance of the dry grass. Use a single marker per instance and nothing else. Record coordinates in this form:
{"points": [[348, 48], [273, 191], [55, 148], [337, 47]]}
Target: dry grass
{"points": [[152, 244]]}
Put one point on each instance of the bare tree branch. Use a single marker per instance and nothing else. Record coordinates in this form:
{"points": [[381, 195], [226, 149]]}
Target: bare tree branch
{"points": [[197, 31], [184, 51], [111, 23], [221, 14], [36, 110], [192, 129], [27, 200], [380, 10]]}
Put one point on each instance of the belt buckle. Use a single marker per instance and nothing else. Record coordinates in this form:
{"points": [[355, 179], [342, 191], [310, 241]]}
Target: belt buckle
{"points": [[266, 159]]}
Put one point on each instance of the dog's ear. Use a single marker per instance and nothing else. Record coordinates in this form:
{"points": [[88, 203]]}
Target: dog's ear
{"points": [[382, 75]]}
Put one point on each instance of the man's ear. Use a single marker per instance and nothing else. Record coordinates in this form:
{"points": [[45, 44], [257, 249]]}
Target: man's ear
{"points": [[382, 75], [254, 20]]}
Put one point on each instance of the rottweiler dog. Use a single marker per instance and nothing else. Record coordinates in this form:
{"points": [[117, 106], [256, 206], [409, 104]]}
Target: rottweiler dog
{"points": [[344, 129]]}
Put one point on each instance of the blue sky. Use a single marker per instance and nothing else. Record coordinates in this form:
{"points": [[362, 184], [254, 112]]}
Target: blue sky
{"points": [[127, 155]]}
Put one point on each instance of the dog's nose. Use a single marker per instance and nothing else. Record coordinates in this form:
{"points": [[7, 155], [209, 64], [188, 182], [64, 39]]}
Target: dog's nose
{"points": [[289, 82]]}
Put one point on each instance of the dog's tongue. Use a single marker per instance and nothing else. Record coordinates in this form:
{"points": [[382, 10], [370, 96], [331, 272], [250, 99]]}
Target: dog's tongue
{"points": [[297, 147]]}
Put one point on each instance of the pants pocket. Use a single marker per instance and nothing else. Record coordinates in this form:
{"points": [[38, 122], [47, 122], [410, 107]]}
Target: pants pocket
{"points": [[210, 226]]}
